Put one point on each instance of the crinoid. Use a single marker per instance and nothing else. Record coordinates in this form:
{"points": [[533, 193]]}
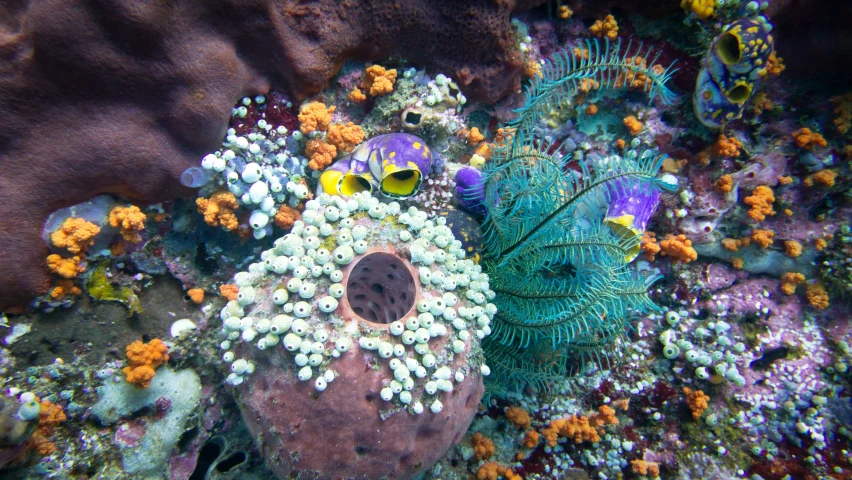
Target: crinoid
{"points": [[563, 286]]}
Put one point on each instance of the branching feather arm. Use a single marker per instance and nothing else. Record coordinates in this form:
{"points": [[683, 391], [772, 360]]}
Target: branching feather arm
{"points": [[562, 286]]}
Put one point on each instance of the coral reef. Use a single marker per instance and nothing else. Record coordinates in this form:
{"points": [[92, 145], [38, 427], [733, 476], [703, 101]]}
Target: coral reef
{"points": [[598, 276]]}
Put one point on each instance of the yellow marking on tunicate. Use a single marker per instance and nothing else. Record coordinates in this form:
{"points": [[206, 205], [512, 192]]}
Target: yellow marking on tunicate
{"points": [[330, 180], [417, 145], [716, 114], [392, 154], [622, 227], [759, 41], [351, 184], [752, 30], [385, 163], [764, 48], [751, 43]]}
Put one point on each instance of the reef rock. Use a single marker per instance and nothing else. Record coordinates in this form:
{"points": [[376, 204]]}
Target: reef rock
{"points": [[121, 97]]}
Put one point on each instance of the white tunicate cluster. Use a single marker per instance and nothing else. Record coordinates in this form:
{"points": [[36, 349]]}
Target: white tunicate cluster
{"points": [[260, 168], [302, 275], [709, 349]]}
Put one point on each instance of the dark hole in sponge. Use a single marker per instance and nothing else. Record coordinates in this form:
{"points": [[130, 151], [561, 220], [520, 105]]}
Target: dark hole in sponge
{"points": [[208, 454], [413, 118], [385, 289], [234, 460]]}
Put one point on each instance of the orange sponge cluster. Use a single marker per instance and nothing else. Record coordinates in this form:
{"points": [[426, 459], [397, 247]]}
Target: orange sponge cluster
{"points": [[760, 201], [679, 248], [808, 139], [697, 401], [144, 358], [579, 427], [789, 281], [519, 417], [218, 210], [607, 27], [129, 220], [482, 447], [493, 471], [315, 117], [75, 235]]}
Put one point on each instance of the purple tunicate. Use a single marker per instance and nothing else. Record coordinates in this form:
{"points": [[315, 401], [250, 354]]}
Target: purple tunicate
{"points": [[195, 177], [629, 211], [470, 189]]}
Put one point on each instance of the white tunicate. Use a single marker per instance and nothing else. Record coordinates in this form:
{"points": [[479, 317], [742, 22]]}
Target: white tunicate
{"points": [[343, 344], [411, 364], [300, 359], [443, 373], [258, 191], [417, 408], [405, 397], [302, 309], [307, 290], [239, 366], [368, 343], [249, 334], [359, 232], [485, 369], [252, 173], [360, 246], [412, 323], [426, 319], [386, 394], [294, 284], [305, 373], [401, 373], [431, 387], [258, 219], [408, 337], [262, 325], [246, 295], [327, 304], [320, 384], [328, 376], [429, 360], [336, 290], [396, 328], [421, 335], [299, 327], [385, 349], [228, 357], [314, 359], [343, 255], [436, 406], [398, 350], [280, 324], [300, 272], [301, 191]]}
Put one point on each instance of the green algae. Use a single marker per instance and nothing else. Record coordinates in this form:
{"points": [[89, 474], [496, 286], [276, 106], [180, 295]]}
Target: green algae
{"points": [[100, 288]]}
